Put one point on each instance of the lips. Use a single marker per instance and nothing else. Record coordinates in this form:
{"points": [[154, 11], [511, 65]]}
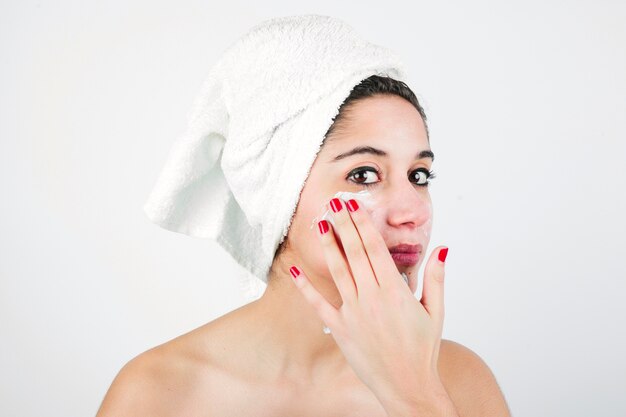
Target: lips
{"points": [[405, 254], [405, 248]]}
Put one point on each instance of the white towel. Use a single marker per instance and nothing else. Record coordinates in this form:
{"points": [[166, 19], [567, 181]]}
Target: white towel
{"points": [[254, 130]]}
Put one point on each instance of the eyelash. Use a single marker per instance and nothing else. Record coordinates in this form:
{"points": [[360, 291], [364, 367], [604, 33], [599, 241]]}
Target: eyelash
{"points": [[431, 175]]}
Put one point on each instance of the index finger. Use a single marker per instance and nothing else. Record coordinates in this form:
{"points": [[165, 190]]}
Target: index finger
{"points": [[382, 263], [362, 272]]}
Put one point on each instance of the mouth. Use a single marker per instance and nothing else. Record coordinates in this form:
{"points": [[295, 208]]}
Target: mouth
{"points": [[406, 254]]}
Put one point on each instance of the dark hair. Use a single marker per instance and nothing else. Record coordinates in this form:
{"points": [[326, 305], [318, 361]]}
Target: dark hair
{"points": [[371, 86]]}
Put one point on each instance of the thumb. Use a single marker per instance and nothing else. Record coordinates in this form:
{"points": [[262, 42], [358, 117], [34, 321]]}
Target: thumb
{"points": [[432, 293]]}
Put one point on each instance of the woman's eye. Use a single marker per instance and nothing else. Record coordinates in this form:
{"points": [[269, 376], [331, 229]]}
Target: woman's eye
{"points": [[368, 176], [360, 175], [422, 176]]}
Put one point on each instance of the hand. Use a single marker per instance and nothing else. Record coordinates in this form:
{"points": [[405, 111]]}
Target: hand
{"points": [[388, 337]]}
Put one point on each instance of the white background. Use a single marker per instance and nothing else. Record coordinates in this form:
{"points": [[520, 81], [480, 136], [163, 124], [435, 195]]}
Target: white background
{"points": [[526, 104]]}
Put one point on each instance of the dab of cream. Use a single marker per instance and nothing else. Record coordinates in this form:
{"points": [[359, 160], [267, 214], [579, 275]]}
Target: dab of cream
{"points": [[364, 197]]}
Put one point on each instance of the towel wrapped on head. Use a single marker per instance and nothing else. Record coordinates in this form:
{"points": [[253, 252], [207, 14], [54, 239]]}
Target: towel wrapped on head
{"points": [[254, 130]]}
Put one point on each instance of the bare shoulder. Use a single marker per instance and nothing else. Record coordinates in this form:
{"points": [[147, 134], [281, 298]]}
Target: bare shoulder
{"points": [[162, 381], [134, 389], [469, 382], [183, 376]]}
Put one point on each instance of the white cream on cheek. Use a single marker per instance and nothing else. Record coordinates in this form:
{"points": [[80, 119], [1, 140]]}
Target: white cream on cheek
{"points": [[364, 197], [377, 213], [369, 201]]}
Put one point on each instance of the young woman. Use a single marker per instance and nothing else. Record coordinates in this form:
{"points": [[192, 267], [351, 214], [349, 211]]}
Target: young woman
{"points": [[305, 111], [384, 355]]}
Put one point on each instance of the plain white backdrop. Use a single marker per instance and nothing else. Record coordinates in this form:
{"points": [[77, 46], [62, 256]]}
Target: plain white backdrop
{"points": [[526, 105]]}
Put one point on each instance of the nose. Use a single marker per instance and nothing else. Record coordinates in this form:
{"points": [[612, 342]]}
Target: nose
{"points": [[408, 204]]}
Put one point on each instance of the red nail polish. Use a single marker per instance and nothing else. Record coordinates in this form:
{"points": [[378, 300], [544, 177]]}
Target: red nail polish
{"points": [[352, 205], [294, 271], [442, 254], [323, 226], [335, 204]]}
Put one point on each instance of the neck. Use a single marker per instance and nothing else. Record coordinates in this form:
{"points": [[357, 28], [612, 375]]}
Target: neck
{"points": [[289, 334]]}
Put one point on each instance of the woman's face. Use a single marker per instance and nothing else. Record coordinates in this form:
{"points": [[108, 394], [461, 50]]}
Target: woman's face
{"points": [[401, 210]]}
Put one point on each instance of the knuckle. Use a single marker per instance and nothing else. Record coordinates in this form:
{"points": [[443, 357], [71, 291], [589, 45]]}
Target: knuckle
{"points": [[316, 302], [378, 246], [341, 217], [352, 250], [327, 241], [357, 219], [395, 295]]}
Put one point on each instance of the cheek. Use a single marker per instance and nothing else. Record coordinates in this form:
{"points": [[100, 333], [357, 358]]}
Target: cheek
{"points": [[310, 250], [304, 235], [308, 238], [427, 227]]}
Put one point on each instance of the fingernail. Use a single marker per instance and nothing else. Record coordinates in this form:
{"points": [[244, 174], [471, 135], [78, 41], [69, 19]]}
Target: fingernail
{"points": [[294, 271], [335, 204], [352, 205], [442, 254], [323, 226]]}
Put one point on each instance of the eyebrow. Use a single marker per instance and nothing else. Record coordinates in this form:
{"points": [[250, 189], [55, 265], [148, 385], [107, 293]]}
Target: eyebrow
{"points": [[427, 153]]}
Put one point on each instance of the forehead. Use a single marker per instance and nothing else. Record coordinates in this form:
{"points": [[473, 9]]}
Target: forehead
{"points": [[381, 119]]}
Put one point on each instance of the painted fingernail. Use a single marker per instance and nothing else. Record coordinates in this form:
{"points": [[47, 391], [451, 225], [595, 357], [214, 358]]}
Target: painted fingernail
{"points": [[352, 205], [294, 271], [323, 226], [442, 254], [335, 204]]}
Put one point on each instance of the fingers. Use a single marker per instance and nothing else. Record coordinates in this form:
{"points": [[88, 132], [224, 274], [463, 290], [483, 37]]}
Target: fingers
{"points": [[432, 294], [337, 265], [325, 310], [383, 265], [358, 260]]}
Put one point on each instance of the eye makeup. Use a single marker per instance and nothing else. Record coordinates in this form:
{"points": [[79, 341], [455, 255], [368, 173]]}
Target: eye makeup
{"points": [[365, 169]]}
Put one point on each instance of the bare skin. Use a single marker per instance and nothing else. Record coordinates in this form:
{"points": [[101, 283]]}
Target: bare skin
{"points": [[271, 357], [216, 370]]}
